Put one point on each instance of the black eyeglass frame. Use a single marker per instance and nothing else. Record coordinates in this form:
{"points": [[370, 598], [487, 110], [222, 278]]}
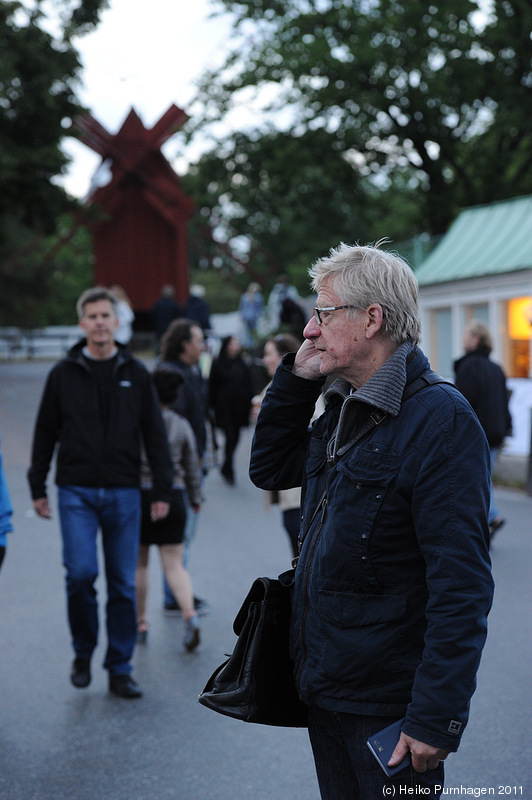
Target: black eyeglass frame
{"points": [[318, 311]]}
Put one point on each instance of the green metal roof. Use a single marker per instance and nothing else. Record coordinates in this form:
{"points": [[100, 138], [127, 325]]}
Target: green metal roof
{"points": [[484, 240]]}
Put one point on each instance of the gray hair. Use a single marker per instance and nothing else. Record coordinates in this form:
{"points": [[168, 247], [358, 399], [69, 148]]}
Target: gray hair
{"points": [[479, 329], [363, 275], [92, 296]]}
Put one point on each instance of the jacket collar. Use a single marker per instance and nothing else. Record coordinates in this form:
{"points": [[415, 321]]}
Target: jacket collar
{"points": [[76, 352], [384, 390], [482, 351]]}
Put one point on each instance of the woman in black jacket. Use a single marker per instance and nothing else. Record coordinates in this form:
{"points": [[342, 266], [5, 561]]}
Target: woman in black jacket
{"points": [[230, 394]]}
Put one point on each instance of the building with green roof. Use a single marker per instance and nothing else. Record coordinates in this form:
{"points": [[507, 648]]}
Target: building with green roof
{"points": [[482, 269]]}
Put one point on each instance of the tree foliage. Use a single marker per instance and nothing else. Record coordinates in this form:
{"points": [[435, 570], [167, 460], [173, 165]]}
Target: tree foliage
{"points": [[41, 288], [394, 106], [275, 203], [38, 80]]}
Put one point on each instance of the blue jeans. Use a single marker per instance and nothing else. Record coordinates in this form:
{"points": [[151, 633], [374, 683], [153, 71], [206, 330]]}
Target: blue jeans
{"points": [[116, 511], [345, 766]]}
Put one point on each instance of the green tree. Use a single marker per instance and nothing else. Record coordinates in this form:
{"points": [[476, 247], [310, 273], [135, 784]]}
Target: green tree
{"points": [[401, 113], [38, 80], [43, 286], [276, 203]]}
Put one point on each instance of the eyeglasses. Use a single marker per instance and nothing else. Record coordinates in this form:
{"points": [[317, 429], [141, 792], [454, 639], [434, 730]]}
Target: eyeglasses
{"points": [[319, 311]]}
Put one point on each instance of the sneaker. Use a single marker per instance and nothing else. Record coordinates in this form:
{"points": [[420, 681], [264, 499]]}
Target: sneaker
{"points": [[191, 638]]}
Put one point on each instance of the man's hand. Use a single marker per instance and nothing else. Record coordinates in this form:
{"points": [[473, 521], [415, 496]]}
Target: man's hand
{"points": [[42, 507], [307, 362], [424, 756], [159, 510]]}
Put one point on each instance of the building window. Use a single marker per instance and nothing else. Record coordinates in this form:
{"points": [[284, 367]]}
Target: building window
{"points": [[519, 333], [479, 311]]}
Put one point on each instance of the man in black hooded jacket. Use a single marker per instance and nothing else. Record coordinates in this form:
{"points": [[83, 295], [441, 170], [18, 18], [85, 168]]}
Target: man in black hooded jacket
{"points": [[98, 405]]}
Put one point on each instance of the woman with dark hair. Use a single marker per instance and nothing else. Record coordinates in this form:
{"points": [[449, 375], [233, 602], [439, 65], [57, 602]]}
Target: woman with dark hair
{"points": [[182, 347], [168, 533], [288, 499], [230, 393]]}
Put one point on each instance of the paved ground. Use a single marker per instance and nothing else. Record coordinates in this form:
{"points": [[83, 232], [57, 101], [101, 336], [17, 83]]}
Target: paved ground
{"points": [[58, 743]]}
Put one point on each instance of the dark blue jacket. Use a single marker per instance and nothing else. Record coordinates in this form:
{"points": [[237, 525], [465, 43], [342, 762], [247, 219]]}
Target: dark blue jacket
{"points": [[393, 585]]}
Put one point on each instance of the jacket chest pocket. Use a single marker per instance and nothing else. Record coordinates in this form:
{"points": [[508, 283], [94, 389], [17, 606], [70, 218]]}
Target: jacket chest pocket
{"points": [[362, 483], [316, 456]]}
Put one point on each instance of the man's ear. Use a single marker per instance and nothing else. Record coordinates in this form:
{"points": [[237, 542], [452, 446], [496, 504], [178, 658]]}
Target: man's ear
{"points": [[374, 317]]}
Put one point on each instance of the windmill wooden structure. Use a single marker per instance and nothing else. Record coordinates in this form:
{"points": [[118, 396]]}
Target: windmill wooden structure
{"points": [[141, 212]]}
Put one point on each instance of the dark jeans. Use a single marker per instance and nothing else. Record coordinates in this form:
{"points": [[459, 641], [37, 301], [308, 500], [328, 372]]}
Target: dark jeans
{"points": [[82, 510], [232, 437], [346, 768]]}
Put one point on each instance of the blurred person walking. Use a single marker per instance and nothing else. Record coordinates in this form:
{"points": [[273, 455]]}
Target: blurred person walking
{"points": [[165, 310], [181, 350], [289, 500], [230, 395], [483, 384], [98, 405], [125, 314], [6, 512], [250, 309], [197, 309], [168, 533], [283, 300]]}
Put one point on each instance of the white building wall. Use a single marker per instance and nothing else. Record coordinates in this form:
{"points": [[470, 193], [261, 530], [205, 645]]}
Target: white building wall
{"points": [[493, 291]]}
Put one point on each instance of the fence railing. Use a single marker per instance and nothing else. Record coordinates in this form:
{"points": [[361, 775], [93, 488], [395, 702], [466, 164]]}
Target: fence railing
{"points": [[50, 342]]}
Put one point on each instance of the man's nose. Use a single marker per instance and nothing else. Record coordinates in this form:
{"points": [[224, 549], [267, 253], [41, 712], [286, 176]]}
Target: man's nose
{"points": [[312, 329]]}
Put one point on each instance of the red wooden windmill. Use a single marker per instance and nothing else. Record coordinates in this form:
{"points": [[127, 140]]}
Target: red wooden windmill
{"points": [[139, 233]]}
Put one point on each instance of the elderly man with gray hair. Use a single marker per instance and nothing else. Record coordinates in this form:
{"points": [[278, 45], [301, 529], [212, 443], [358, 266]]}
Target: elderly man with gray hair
{"points": [[392, 586]]}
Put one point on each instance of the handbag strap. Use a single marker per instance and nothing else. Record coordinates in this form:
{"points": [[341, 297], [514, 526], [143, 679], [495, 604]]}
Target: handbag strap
{"points": [[429, 378]]}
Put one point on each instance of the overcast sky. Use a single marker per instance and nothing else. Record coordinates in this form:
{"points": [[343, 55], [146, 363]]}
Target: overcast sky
{"points": [[144, 55]]}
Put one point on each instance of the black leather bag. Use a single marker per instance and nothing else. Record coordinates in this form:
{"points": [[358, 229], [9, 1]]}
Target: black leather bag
{"points": [[256, 683]]}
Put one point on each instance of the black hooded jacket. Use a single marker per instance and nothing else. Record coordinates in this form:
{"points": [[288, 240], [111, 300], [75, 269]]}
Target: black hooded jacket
{"points": [[92, 453]]}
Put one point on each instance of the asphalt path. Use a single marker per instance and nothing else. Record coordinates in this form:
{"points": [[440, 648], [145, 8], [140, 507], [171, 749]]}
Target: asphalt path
{"points": [[59, 743]]}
